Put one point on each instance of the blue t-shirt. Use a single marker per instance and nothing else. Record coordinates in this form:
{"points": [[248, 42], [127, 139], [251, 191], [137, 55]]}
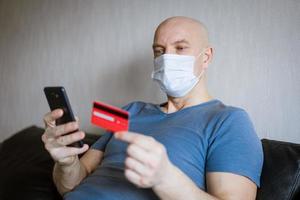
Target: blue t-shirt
{"points": [[209, 137]]}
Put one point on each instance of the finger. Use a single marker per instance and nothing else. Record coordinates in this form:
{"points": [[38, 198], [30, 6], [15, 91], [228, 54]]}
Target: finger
{"points": [[50, 117], [133, 177], [77, 120], [49, 134], [72, 151], [140, 154], [46, 137], [137, 167], [143, 141], [70, 138], [65, 128], [126, 136]]}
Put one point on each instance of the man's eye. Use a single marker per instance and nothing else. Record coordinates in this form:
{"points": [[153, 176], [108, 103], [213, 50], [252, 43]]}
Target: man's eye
{"points": [[181, 48], [158, 51]]}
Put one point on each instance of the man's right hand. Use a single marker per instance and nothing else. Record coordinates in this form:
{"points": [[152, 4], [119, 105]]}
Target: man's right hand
{"points": [[56, 139]]}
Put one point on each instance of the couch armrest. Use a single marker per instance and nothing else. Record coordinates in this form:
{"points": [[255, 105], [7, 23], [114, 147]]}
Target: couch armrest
{"points": [[281, 171], [26, 167]]}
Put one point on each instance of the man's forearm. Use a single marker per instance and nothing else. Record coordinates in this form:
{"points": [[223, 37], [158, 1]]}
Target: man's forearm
{"points": [[66, 177], [179, 186]]}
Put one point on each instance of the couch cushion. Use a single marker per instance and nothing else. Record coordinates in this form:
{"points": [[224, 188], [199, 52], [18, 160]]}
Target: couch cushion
{"points": [[26, 167], [281, 171]]}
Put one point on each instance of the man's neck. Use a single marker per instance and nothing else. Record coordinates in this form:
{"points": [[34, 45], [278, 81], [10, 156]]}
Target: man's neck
{"points": [[197, 95]]}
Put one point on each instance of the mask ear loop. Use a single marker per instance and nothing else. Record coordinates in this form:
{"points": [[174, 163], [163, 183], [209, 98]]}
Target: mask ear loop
{"points": [[203, 70], [201, 53], [201, 74]]}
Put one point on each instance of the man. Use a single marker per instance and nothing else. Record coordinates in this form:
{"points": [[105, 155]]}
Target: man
{"points": [[191, 147]]}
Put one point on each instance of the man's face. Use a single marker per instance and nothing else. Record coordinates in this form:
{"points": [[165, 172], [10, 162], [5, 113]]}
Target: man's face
{"points": [[174, 38], [177, 38]]}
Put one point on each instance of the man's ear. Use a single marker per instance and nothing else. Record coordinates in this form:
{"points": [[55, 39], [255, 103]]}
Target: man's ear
{"points": [[207, 57]]}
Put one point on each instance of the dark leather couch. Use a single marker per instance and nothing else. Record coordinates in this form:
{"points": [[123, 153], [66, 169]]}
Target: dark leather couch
{"points": [[25, 168]]}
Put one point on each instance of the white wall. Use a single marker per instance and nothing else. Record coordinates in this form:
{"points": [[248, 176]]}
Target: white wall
{"points": [[101, 50]]}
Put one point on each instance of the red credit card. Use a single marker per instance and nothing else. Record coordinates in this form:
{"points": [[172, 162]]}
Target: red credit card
{"points": [[109, 117]]}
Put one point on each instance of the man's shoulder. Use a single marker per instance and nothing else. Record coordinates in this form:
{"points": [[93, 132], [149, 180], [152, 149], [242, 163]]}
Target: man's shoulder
{"points": [[134, 104], [231, 120], [231, 111], [222, 116], [222, 111], [135, 107]]}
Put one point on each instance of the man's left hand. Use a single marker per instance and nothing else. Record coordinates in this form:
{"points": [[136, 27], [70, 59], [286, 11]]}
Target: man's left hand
{"points": [[147, 163]]}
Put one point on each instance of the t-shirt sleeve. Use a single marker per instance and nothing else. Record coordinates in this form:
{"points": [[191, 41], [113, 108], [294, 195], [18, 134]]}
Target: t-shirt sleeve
{"points": [[101, 143], [235, 148]]}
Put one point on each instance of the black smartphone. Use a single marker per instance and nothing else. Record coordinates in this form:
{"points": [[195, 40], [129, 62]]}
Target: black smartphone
{"points": [[57, 98]]}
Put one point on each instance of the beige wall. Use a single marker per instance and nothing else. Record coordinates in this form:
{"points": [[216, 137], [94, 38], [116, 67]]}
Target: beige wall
{"points": [[101, 50]]}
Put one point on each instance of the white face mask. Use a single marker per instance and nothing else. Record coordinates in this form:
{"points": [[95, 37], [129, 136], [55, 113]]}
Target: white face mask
{"points": [[175, 74]]}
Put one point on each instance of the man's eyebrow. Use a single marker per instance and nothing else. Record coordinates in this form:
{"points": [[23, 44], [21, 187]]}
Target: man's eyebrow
{"points": [[181, 41], [174, 43], [157, 45]]}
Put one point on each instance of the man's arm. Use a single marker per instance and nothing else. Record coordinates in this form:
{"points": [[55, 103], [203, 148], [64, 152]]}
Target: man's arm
{"points": [[230, 186], [225, 186], [66, 177], [177, 186], [147, 165], [68, 170]]}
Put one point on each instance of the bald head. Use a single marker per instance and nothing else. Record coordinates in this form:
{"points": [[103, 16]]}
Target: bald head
{"points": [[187, 30], [183, 36]]}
